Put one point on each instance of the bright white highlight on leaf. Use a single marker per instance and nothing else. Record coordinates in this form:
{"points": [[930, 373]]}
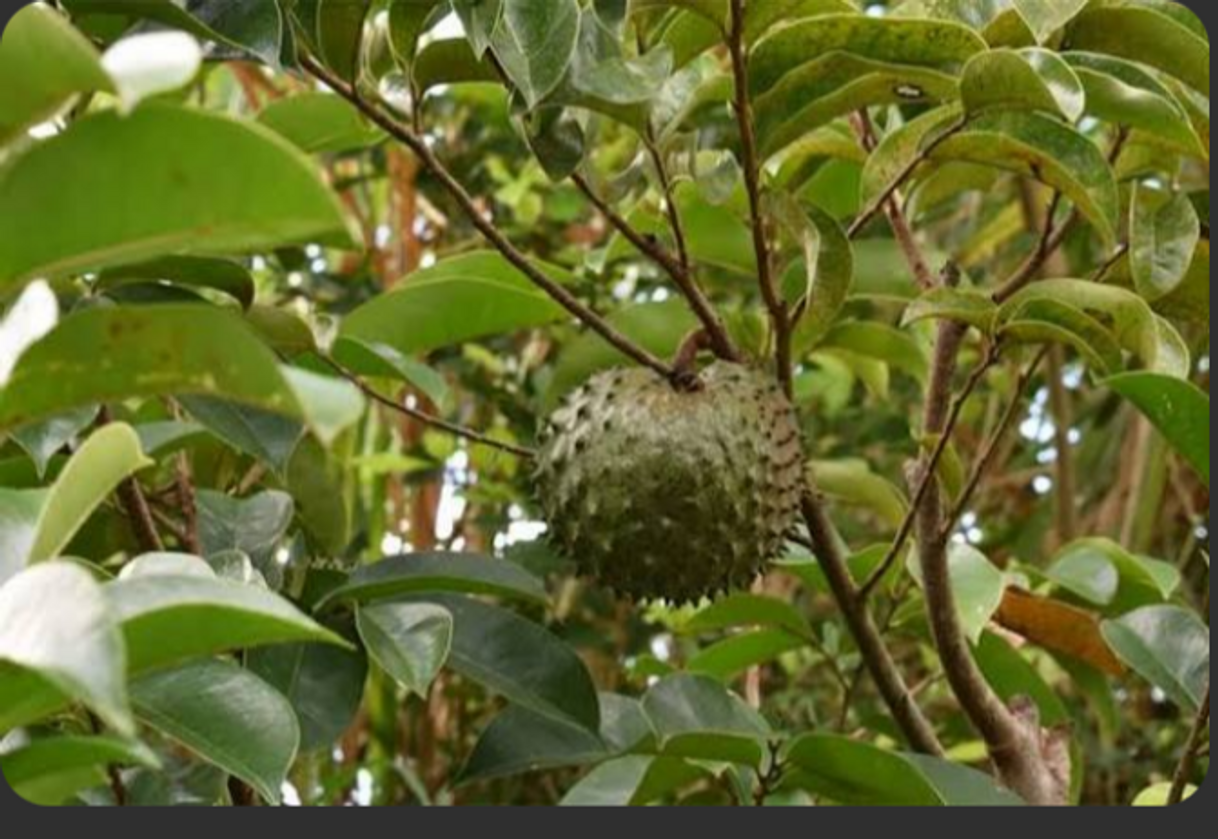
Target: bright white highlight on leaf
{"points": [[147, 65], [29, 320]]}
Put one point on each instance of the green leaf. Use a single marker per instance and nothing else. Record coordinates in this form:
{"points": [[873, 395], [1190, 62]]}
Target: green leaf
{"points": [[19, 513], [479, 18], [1160, 794], [335, 30], [535, 41], [450, 61], [960, 786], [410, 641], [1011, 675], [43, 440], [1164, 233], [1052, 321], [459, 300], [227, 716], [319, 123], [1040, 147], [108, 457], [839, 83], [1124, 93], [520, 660], [268, 437], [442, 572], [50, 772], [1148, 36], [1178, 409], [1105, 574], [1031, 79], [631, 782], [659, 327], [322, 487], [254, 526], [324, 683], [740, 610], [110, 354], [192, 182], [826, 275], [519, 741], [696, 717], [978, 586], [59, 638], [48, 64], [733, 656], [853, 482], [899, 147], [876, 340], [1046, 17], [379, 361], [223, 275], [858, 774], [973, 308], [167, 620], [808, 571], [1167, 646]]}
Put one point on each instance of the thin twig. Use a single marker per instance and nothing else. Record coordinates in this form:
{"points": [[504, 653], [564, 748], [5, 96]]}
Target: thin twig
{"points": [[928, 472], [677, 268], [1188, 762], [751, 163], [406, 135], [986, 459], [131, 496], [426, 418]]}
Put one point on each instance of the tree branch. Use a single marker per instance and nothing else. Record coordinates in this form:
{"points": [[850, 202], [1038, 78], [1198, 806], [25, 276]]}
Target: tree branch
{"points": [[407, 136], [426, 418], [131, 496], [1191, 751], [751, 163], [679, 269]]}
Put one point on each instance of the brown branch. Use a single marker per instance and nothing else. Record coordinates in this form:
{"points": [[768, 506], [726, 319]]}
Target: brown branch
{"points": [[1026, 761], [670, 205], [1192, 750], [426, 418], [677, 268], [188, 504], [751, 163], [407, 136], [131, 496], [928, 472], [876, 656]]}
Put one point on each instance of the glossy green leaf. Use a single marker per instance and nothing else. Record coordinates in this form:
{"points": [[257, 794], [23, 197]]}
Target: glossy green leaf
{"points": [[479, 18], [883, 343], [1040, 147], [825, 278], [223, 275], [51, 771], [450, 61], [378, 361], [1167, 646], [733, 656], [335, 30], [167, 620], [322, 487], [741, 610], [269, 437], [853, 482], [978, 586], [519, 741], [1164, 233], [631, 782], [520, 660], [193, 182], [20, 510], [459, 573], [695, 717], [535, 41], [254, 526], [408, 22], [108, 457], [324, 683], [109, 354], [410, 641], [43, 440], [960, 786], [1032, 79], [1178, 409], [1124, 93], [973, 308], [459, 300], [227, 716], [1009, 672], [59, 639], [319, 123], [48, 64], [1046, 17], [858, 774], [1105, 574], [1145, 35]]}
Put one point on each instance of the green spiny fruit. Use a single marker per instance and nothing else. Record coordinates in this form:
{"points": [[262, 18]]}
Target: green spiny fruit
{"points": [[670, 494]]}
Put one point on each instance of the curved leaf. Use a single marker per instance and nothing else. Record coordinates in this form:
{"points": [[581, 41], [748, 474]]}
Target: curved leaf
{"points": [[1178, 409], [192, 182], [410, 641], [1031, 79], [318, 123], [459, 573], [1164, 233], [1148, 36], [49, 772], [1167, 646]]}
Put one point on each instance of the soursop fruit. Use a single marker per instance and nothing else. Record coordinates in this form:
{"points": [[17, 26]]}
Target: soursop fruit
{"points": [[670, 494]]}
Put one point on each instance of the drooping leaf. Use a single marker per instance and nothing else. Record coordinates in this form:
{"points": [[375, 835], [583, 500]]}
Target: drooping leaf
{"points": [[1045, 17], [167, 620], [1167, 646], [1031, 79], [1178, 409], [1164, 233], [227, 716], [455, 573], [324, 683], [47, 63], [193, 182], [1145, 35], [410, 641], [535, 41], [51, 771], [59, 640], [461, 299]]}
